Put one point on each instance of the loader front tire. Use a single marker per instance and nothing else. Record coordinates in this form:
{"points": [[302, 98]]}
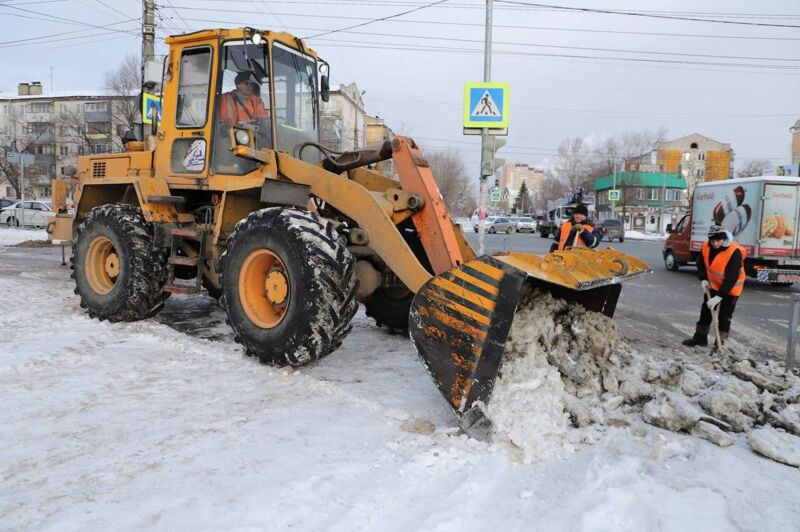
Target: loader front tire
{"points": [[288, 286], [119, 273], [389, 307]]}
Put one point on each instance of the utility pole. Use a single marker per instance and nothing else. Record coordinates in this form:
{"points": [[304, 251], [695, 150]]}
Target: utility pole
{"points": [[663, 198], [614, 187], [148, 33], [486, 165]]}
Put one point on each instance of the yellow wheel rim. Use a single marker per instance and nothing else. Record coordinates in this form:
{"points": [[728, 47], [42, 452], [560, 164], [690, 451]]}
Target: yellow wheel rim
{"points": [[264, 288], [102, 265]]}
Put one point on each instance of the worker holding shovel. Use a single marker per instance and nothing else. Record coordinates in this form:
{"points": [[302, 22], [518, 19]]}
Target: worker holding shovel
{"points": [[721, 271]]}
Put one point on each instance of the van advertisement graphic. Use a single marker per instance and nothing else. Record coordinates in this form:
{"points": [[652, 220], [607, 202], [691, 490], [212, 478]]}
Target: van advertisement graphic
{"points": [[779, 222], [734, 207]]}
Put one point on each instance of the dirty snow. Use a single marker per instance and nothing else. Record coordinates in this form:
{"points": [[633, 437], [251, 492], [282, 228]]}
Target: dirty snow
{"points": [[639, 235], [567, 377], [10, 236], [165, 425]]}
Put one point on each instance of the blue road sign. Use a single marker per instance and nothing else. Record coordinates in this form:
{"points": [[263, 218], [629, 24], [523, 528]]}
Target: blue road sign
{"points": [[486, 105]]}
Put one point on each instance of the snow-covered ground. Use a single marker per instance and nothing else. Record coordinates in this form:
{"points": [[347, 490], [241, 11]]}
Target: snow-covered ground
{"points": [[164, 424], [639, 235], [10, 236]]}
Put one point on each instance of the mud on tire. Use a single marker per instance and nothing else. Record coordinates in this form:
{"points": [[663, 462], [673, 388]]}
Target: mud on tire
{"points": [[320, 274], [137, 291]]}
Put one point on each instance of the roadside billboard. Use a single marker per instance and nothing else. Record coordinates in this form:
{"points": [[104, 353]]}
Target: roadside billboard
{"points": [[779, 223], [734, 206]]}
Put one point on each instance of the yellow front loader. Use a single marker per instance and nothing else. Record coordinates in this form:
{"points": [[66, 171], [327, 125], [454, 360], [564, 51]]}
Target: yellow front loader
{"points": [[230, 192]]}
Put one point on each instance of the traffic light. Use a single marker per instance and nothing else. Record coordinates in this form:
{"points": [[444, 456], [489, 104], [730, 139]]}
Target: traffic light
{"points": [[489, 163]]}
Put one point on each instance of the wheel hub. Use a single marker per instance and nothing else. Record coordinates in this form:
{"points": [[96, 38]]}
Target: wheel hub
{"points": [[112, 265], [264, 288], [277, 287], [102, 265]]}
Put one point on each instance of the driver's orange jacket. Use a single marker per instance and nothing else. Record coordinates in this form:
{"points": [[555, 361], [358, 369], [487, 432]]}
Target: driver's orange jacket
{"points": [[233, 105]]}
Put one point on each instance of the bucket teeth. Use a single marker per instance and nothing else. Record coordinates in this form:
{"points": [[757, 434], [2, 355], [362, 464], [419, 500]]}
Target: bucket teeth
{"points": [[460, 319]]}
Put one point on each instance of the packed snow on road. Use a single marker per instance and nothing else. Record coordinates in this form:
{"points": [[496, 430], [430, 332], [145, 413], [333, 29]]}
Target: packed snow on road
{"points": [[164, 424]]}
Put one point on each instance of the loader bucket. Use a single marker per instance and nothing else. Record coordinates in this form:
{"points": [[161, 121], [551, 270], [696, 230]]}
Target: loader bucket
{"points": [[460, 319]]}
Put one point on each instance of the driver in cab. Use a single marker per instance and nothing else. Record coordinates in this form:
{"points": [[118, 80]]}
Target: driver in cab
{"points": [[242, 105]]}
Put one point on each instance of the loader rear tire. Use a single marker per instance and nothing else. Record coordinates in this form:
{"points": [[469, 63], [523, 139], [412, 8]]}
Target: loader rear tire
{"points": [[389, 307], [288, 286], [119, 273]]}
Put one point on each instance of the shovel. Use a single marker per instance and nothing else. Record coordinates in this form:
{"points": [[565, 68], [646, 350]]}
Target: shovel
{"points": [[715, 320]]}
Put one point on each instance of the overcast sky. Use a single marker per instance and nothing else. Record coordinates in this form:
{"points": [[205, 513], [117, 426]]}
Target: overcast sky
{"points": [[737, 83]]}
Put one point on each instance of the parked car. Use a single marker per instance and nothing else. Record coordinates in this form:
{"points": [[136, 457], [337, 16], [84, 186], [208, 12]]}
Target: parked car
{"points": [[498, 224], [526, 224], [612, 229], [33, 213], [6, 202]]}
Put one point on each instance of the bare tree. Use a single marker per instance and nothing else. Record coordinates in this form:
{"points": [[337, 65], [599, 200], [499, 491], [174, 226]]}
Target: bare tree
{"points": [[754, 168], [605, 155], [454, 184], [25, 143], [552, 188], [124, 83], [572, 162]]}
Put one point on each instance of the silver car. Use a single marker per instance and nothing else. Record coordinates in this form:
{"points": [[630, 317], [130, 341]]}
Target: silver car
{"points": [[526, 224], [23, 213], [498, 224]]}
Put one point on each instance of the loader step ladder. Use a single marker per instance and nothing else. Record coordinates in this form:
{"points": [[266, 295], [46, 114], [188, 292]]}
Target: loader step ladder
{"points": [[179, 236]]}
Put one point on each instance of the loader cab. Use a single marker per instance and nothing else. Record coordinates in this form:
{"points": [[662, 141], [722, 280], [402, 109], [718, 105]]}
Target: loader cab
{"points": [[229, 88]]}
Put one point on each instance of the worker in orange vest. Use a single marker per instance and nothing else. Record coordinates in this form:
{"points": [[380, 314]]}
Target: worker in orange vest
{"points": [[242, 105], [576, 232], [720, 266]]}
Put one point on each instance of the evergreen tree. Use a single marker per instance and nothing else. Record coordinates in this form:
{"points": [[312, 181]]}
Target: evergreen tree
{"points": [[523, 202]]}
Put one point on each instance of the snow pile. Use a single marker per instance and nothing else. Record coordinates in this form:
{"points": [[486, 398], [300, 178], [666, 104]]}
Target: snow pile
{"points": [[638, 235], [567, 378], [10, 236]]}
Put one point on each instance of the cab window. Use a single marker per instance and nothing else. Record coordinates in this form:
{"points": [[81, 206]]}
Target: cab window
{"points": [[193, 81]]}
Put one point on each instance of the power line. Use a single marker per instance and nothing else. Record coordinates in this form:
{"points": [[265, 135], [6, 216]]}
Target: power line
{"points": [[55, 34], [645, 14], [511, 43], [178, 13], [380, 19], [504, 26], [53, 18], [112, 8], [396, 46]]}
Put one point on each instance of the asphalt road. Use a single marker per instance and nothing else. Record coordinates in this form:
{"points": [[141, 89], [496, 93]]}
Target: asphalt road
{"points": [[671, 301], [660, 308]]}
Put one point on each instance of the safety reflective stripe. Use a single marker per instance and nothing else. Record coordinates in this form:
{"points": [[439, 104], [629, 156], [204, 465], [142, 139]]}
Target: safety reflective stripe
{"points": [[716, 270], [578, 242]]}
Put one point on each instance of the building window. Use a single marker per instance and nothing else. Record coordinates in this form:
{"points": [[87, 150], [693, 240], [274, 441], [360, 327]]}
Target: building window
{"points": [[38, 128], [45, 192], [652, 194], [639, 193], [42, 149], [10, 192], [700, 173], [701, 156], [39, 107], [693, 146], [98, 127], [64, 150], [96, 107], [102, 147]]}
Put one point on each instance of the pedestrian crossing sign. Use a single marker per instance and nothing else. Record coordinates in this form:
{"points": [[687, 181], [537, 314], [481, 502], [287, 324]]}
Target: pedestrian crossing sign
{"points": [[495, 196], [486, 105], [613, 195], [151, 104]]}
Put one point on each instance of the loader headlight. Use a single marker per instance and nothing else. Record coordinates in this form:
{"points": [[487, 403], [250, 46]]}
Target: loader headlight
{"points": [[242, 137]]}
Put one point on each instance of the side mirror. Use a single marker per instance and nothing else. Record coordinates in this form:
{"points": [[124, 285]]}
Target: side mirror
{"points": [[669, 228], [325, 88]]}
